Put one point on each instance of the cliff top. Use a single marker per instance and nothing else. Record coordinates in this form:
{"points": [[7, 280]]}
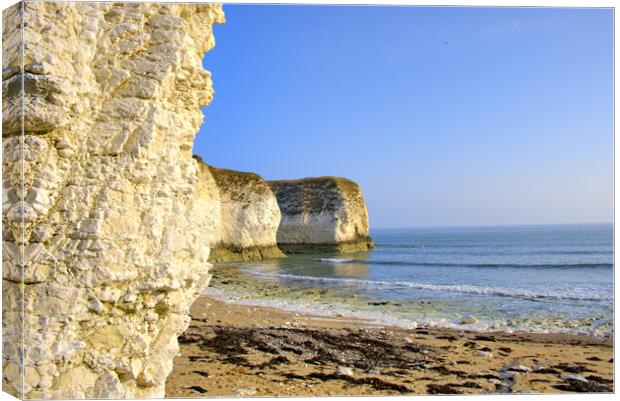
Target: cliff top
{"points": [[225, 171], [300, 181], [315, 194], [227, 174], [236, 184]]}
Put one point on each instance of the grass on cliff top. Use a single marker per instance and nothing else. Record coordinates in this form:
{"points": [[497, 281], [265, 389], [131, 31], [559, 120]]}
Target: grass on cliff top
{"points": [[344, 184], [227, 173], [226, 177], [236, 174]]}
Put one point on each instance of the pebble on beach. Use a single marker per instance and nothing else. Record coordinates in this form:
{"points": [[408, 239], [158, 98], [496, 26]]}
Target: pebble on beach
{"points": [[517, 367], [345, 371], [468, 319], [574, 377], [245, 391]]}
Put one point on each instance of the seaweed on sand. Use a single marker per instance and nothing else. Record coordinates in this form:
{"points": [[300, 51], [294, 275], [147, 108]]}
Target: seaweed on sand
{"points": [[375, 382], [320, 347]]}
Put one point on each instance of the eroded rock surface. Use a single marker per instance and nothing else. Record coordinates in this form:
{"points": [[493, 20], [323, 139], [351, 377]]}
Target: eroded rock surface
{"points": [[209, 205], [325, 214], [249, 217], [100, 234]]}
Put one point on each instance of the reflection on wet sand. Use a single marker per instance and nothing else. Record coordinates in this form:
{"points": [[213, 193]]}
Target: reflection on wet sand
{"points": [[354, 265]]}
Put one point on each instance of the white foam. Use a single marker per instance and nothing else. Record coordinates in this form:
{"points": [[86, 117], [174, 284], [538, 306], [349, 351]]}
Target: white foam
{"points": [[384, 318], [334, 260], [314, 308], [584, 295]]}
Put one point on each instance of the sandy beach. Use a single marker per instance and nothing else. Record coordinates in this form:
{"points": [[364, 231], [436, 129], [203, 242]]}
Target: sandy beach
{"points": [[237, 350]]}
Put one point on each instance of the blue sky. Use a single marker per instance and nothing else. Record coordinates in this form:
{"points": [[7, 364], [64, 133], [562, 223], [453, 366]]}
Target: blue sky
{"points": [[444, 116]]}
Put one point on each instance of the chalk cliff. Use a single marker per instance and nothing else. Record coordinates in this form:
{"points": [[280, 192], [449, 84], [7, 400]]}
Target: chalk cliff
{"points": [[249, 217], [325, 214], [102, 238], [209, 205]]}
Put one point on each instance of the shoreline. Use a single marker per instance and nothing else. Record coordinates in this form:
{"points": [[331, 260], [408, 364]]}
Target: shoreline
{"points": [[382, 320], [244, 284], [238, 350]]}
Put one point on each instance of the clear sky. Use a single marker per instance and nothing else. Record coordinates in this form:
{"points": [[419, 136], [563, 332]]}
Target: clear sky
{"points": [[444, 116]]}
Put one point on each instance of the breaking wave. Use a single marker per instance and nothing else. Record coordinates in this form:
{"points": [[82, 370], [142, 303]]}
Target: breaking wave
{"points": [[585, 295]]}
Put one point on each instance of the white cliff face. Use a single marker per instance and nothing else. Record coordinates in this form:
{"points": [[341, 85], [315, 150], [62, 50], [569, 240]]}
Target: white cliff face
{"points": [[100, 192], [249, 217], [321, 214], [208, 205]]}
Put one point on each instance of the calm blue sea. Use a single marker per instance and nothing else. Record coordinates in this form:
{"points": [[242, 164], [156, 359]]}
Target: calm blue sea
{"points": [[533, 278]]}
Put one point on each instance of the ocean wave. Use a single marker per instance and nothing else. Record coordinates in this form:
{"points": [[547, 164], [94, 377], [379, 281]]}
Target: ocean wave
{"points": [[380, 318], [405, 246], [481, 250], [589, 252], [489, 265], [460, 288], [334, 260], [509, 247]]}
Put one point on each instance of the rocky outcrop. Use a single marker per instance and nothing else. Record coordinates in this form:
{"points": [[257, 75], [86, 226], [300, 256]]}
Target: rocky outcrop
{"points": [[253, 219], [104, 244], [325, 214], [249, 217]]}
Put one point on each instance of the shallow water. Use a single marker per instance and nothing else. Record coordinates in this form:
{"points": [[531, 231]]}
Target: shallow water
{"points": [[532, 278]]}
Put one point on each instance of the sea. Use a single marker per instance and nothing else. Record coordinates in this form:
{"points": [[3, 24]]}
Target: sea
{"points": [[539, 278]]}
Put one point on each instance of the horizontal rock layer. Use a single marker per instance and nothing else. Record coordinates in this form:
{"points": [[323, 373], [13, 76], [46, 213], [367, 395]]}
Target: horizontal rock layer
{"points": [[104, 238], [325, 214]]}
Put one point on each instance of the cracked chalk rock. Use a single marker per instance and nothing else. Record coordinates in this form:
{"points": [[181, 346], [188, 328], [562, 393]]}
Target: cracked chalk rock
{"points": [[115, 246]]}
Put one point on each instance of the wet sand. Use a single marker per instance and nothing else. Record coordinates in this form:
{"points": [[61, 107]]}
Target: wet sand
{"points": [[237, 350]]}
